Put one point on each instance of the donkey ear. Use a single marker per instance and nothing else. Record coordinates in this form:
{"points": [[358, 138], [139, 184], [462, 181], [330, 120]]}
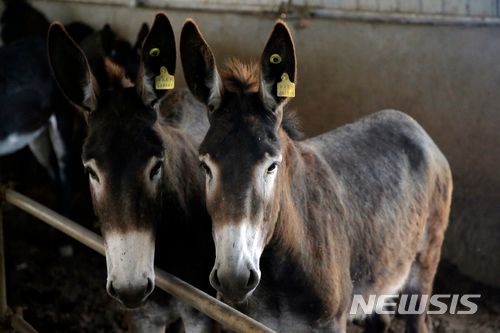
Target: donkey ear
{"points": [[108, 37], [198, 63], [141, 36], [278, 65], [71, 69], [158, 55]]}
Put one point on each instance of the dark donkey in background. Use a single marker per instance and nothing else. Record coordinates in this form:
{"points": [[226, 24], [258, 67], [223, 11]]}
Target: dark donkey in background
{"points": [[302, 226], [32, 111], [140, 154]]}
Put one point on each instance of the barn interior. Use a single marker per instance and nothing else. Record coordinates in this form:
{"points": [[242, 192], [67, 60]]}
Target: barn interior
{"points": [[434, 60]]}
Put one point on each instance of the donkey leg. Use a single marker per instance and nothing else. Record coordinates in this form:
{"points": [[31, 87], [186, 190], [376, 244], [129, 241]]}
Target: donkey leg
{"points": [[195, 321], [339, 325], [60, 152], [42, 150], [377, 323], [145, 325], [62, 158], [152, 317], [418, 284], [425, 265]]}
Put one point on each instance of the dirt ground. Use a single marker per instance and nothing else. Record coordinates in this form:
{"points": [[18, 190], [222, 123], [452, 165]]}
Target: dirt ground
{"points": [[67, 294]]}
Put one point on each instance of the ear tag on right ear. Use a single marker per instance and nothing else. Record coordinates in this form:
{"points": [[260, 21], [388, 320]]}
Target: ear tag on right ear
{"points": [[286, 88], [275, 59], [164, 81]]}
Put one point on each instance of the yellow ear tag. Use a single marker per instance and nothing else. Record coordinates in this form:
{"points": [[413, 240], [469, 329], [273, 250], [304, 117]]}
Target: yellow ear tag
{"points": [[154, 52], [275, 59], [285, 87], [164, 81]]}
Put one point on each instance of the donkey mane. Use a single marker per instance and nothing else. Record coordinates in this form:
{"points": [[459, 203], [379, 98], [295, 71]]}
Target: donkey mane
{"points": [[240, 77], [291, 125], [109, 75], [113, 70], [244, 77]]}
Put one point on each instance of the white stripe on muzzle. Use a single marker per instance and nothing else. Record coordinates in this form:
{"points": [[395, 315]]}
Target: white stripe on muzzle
{"points": [[130, 258], [238, 246]]}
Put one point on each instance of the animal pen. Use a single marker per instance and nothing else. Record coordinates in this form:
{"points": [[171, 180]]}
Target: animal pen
{"points": [[434, 60], [212, 307]]}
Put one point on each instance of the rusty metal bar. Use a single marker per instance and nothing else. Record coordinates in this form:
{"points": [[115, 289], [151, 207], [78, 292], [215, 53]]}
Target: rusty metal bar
{"points": [[55, 220], [215, 309], [3, 286], [15, 321]]}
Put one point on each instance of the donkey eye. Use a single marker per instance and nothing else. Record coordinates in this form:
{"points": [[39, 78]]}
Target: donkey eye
{"points": [[206, 168], [92, 174], [155, 170], [272, 167]]}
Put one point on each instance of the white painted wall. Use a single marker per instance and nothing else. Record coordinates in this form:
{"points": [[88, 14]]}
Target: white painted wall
{"points": [[482, 8]]}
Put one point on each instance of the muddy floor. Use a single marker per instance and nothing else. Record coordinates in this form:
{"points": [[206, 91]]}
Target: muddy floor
{"points": [[67, 294]]}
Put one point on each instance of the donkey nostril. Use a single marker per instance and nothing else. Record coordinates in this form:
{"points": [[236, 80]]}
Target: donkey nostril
{"points": [[215, 279], [253, 279], [111, 290], [149, 288]]}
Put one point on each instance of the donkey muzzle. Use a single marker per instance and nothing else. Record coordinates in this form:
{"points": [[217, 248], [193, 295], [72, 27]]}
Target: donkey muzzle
{"points": [[132, 296], [130, 262], [236, 273], [234, 285]]}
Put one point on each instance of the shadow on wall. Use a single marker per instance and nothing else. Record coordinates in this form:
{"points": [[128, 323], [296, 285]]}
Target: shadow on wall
{"points": [[446, 77]]}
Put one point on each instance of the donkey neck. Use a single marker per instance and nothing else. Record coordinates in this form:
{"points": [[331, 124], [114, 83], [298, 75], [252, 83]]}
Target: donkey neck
{"points": [[181, 110], [290, 230], [309, 225], [310, 202], [184, 239], [181, 179], [182, 125]]}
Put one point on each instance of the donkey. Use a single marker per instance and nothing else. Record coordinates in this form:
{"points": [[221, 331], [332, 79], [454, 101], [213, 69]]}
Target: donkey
{"points": [[301, 226], [140, 154], [26, 103], [32, 110]]}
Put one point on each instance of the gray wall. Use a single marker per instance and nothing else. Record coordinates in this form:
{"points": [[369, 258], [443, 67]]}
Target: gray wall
{"points": [[446, 77]]}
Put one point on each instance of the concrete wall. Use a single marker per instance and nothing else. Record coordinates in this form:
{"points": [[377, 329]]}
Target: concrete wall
{"points": [[446, 77]]}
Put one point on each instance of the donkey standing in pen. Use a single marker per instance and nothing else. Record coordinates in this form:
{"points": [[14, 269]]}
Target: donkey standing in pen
{"points": [[302, 226], [32, 111], [141, 158]]}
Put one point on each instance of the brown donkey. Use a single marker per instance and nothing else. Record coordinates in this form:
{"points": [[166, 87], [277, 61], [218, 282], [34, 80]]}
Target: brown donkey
{"points": [[141, 157], [302, 226]]}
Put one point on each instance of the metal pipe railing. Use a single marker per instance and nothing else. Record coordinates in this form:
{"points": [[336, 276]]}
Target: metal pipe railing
{"points": [[20, 325], [222, 313], [6, 316], [3, 285]]}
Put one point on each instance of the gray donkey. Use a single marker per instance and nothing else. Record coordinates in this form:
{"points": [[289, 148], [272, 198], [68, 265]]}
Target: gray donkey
{"points": [[300, 227]]}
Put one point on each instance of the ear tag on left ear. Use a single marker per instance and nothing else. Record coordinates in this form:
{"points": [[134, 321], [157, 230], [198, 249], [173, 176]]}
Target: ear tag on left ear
{"points": [[154, 52], [286, 88], [164, 81]]}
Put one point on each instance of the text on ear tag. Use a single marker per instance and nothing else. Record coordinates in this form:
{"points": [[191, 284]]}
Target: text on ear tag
{"points": [[164, 81], [286, 88]]}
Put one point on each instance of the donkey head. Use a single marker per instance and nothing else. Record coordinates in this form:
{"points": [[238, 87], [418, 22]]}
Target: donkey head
{"points": [[121, 51], [123, 151], [241, 153]]}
